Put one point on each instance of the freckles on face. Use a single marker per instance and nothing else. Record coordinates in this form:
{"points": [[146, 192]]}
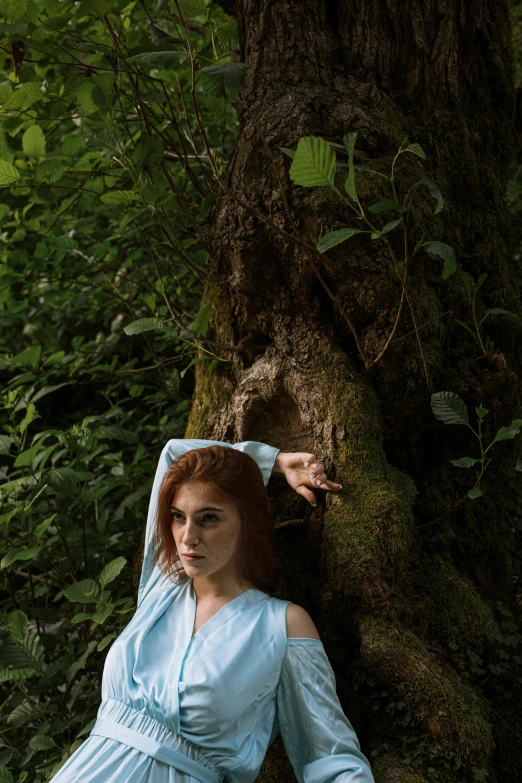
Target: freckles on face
{"points": [[204, 524]]}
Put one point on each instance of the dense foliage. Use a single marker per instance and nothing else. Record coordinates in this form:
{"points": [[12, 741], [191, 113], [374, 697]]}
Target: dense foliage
{"points": [[117, 119]]}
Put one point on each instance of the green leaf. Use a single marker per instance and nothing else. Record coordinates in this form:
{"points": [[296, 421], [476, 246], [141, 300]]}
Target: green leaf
{"points": [[388, 227], [228, 36], [469, 285], [42, 527], [149, 300], [117, 197], [28, 418], [26, 457], [189, 8], [142, 325], [474, 493], [103, 614], [464, 462], [288, 151], [84, 592], [449, 408], [201, 321], [24, 713], [108, 142], [416, 149], [349, 185], [24, 97], [33, 142], [5, 775], [506, 433], [8, 173], [445, 252], [501, 311], [5, 443], [224, 80], [163, 60], [518, 465], [18, 625], [93, 8], [313, 164], [19, 554], [481, 412], [111, 571], [161, 38], [334, 238], [386, 205], [433, 190], [64, 480], [13, 28], [15, 675], [28, 357], [105, 641], [115, 432], [42, 742]]}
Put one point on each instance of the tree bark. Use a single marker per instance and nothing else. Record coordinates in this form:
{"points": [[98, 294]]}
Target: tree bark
{"points": [[401, 585]]}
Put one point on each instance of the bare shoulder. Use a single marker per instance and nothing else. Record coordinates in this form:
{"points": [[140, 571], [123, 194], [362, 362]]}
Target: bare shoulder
{"points": [[299, 624]]}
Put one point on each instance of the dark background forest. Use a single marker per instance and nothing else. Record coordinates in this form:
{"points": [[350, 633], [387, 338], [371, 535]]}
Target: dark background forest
{"points": [[293, 222]]}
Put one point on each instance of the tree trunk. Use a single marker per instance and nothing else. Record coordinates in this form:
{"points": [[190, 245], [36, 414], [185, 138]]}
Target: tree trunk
{"points": [[404, 587]]}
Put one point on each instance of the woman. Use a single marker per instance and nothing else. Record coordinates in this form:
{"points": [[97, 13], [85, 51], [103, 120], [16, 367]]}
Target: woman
{"points": [[212, 667]]}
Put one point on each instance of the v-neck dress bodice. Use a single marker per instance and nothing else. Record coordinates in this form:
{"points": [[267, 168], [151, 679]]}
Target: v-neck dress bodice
{"points": [[220, 696]]}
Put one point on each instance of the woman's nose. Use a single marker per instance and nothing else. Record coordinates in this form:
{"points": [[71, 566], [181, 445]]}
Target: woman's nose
{"points": [[190, 534]]}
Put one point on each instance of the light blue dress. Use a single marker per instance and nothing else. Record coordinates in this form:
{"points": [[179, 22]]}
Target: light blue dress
{"points": [[178, 708]]}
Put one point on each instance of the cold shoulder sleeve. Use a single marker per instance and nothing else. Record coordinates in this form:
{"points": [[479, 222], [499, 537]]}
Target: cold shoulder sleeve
{"points": [[262, 453], [318, 737]]}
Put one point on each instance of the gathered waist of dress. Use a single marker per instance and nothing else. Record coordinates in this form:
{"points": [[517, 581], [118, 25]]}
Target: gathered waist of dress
{"points": [[124, 724]]}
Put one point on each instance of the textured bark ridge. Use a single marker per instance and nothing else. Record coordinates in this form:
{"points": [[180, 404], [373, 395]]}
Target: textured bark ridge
{"points": [[387, 595]]}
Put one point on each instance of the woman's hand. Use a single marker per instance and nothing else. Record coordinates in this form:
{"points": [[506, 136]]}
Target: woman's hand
{"points": [[303, 471]]}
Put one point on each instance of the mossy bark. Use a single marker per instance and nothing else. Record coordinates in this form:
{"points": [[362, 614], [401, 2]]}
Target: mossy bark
{"points": [[395, 577]]}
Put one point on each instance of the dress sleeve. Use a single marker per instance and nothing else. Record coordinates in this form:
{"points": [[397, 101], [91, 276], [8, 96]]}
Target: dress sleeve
{"points": [[262, 453], [318, 737]]}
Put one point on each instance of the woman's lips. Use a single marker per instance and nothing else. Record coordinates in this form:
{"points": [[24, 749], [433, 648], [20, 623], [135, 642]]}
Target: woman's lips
{"points": [[192, 558]]}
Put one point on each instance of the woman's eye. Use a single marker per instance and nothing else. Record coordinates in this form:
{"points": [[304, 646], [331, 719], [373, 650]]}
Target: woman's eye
{"points": [[210, 518]]}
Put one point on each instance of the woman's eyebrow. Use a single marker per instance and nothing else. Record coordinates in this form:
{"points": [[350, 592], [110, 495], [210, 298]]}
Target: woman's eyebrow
{"points": [[207, 508]]}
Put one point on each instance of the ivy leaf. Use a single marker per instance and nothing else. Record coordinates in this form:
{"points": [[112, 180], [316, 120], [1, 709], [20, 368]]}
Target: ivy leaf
{"points": [[334, 238], [445, 252], [506, 433], [449, 408], [224, 80], [111, 571], [349, 185], [464, 462], [313, 164]]}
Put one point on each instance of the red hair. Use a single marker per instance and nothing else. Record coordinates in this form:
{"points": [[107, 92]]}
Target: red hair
{"points": [[238, 478]]}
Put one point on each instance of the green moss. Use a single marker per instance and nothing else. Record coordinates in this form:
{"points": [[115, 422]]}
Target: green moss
{"points": [[214, 389], [458, 614], [455, 715], [390, 769]]}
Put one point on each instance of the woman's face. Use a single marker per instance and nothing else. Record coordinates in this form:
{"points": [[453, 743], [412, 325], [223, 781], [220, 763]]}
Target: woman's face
{"points": [[204, 524]]}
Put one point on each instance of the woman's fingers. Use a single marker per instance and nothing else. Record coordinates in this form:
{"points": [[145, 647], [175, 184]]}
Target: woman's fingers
{"points": [[317, 475]]}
